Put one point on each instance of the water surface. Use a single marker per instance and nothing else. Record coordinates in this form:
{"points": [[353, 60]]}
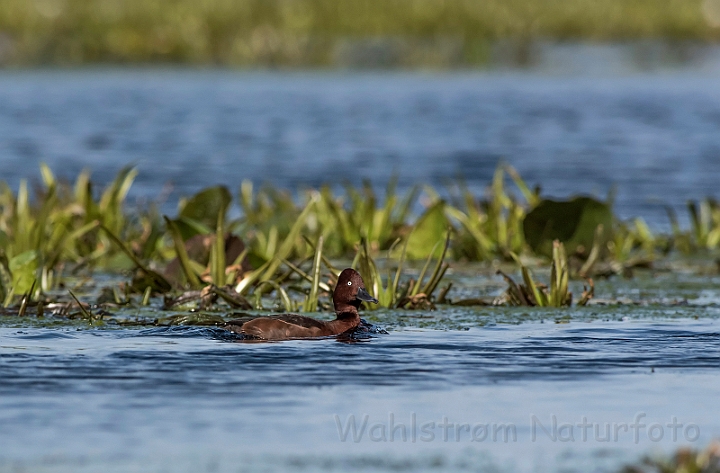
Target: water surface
{"points": [[77, 398], [191, 399], [653, 135]]}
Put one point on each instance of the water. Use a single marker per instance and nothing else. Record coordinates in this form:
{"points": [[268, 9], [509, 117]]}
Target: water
{"points": [[75, 398], [653, 135]]}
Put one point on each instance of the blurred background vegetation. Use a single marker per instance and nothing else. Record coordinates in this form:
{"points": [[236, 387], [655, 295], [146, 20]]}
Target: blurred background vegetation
{"points": [[302, 33]]}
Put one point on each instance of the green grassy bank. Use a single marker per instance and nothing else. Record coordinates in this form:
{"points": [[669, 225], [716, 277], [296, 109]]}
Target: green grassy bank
{"points": [[322, 32]]}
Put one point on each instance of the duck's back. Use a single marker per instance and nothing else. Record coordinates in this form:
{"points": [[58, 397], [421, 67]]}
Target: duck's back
{"points": [[277, 327]]}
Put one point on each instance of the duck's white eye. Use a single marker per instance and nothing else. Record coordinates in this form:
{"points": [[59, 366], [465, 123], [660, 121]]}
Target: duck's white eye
{"points": [[349, 283]]}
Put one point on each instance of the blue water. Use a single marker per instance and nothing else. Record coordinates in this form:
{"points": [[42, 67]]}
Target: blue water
{"points": [[654, 136], [76, 398], [188, 399]]}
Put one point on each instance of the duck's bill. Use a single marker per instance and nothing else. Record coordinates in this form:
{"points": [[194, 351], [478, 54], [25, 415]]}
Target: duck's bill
{"points": [[363, 295]]}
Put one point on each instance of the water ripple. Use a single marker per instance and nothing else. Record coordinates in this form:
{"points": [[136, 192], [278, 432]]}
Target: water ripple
{"points": [[201, 361]]}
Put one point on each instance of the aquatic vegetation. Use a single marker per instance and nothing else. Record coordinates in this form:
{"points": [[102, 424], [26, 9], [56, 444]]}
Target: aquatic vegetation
{"points": [[412, 294], [438, 33], [494, 226], [631, 246], [704, 233], [685, 460], [359, 214], [61, 226], [530, 293], [285, 244], [311, 300], [484, 228], [574, 222], [385, 293]]}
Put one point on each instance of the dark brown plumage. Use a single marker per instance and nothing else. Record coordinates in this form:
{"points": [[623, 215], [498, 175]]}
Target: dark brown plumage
{"points": [[349, 293]]}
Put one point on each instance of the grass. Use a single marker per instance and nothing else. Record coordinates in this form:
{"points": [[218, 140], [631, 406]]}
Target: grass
{"points": [[322, 32], [290, 246]]}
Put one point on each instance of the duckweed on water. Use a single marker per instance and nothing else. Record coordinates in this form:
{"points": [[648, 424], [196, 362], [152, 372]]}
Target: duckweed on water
{"points": [[295, 245]]}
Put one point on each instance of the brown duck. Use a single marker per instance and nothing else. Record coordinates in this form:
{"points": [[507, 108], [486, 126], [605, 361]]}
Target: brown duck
{"points": [[349, 293]]}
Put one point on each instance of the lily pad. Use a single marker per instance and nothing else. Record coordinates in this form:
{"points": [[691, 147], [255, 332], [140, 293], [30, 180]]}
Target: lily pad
{"points": [[573, 222]]}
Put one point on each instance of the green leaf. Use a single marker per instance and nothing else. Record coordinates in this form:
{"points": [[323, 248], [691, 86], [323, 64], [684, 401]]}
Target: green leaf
{"points": [[217, 252], [311, 301], [47, 175], [530, 196], [571, 222], [267, 270], [157, 280], [182, 254], [539, 296], [473, 226], [429, 229], [23, 268], [439, 270], [188, 227], [205, 206], [5, 280], [111, 203]]}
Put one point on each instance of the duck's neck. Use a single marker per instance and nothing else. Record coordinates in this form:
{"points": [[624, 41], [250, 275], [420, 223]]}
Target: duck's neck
{"points": [[347, 319]]}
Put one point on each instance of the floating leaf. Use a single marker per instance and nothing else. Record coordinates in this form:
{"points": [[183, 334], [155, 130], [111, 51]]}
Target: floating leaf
{"points": [[205, 206], [572, 222]]}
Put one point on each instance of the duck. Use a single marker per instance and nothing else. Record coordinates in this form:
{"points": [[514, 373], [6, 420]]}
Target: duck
{"points": [[349, 293]]}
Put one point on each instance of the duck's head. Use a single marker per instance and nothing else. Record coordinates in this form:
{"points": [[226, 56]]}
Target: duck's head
{"points": [[350, 291]]}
